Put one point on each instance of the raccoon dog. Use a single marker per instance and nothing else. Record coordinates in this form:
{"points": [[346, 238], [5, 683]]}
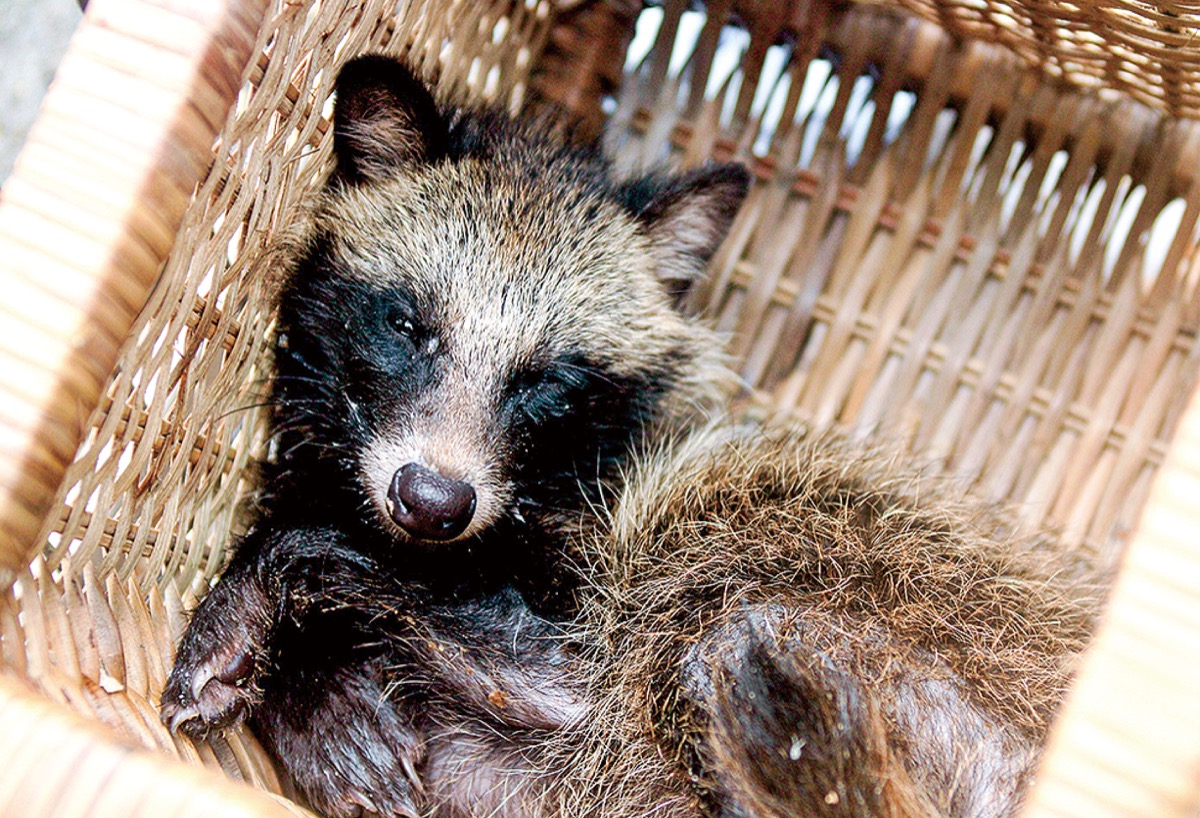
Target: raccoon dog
{"points": [[478, 329], [502, 567]]}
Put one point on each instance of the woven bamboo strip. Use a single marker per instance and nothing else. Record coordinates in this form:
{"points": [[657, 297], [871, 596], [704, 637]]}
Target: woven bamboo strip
{"points": [[1129, 741], [104, 648], [90, 249], [1145, 50], [58, 765]]}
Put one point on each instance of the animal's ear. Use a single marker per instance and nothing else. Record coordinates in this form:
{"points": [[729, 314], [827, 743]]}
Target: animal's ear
{"points": [[384, 118], [687, 217]]}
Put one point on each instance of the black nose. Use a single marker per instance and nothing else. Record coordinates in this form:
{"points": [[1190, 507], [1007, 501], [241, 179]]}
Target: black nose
{"points": [[428, 505]]}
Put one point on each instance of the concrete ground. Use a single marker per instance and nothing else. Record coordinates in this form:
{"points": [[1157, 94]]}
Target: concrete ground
{"points": [[33, 38]]}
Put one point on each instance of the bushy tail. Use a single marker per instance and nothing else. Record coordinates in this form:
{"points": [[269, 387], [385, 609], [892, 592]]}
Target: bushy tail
{"points": [[794, 737]]}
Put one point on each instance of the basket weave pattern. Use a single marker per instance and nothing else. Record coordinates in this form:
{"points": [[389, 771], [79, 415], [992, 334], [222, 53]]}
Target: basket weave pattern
{"points": [[951, 284], [1145, 50]]}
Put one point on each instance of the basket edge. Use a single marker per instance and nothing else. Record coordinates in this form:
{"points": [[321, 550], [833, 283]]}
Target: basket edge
{"points": [[81, 252]]}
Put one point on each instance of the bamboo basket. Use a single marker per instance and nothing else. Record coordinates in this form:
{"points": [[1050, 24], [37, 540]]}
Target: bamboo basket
{"points": [[973, 230]]}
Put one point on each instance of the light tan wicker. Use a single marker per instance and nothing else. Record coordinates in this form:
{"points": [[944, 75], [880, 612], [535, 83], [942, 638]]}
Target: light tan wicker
{"points": [[972, 278]]}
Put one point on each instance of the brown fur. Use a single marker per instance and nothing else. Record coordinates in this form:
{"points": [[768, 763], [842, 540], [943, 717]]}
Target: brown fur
{"points": [[525, 261], [932, 644]]}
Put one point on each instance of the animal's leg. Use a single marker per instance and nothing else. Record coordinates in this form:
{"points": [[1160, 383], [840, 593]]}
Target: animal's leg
{"points": [[346, 744], [789, 733], [226, 648]]}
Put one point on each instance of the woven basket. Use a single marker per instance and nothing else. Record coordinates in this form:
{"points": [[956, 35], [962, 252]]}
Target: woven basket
{"points": [[973, 231]]}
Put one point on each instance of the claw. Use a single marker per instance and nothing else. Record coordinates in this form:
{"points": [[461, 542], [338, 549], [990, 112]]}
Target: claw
{"points": [[200, 680], [173, 716], [182, 717], [361, 799], [410, 770], [213, 681]]}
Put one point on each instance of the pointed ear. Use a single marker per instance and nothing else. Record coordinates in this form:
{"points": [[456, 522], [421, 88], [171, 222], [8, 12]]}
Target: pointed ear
{"points": [[687, 217], [383, 119]]}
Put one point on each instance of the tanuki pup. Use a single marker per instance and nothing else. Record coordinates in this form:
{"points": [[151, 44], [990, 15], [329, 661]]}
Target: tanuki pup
{"points": [[503, 564]]}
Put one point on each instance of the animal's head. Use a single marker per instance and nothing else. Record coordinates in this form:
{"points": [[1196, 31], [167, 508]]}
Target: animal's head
{"points": [[484, 321]]}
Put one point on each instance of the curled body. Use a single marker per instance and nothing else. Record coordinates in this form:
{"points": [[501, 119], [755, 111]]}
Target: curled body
{"points": [[773, 622], [504, 565]]}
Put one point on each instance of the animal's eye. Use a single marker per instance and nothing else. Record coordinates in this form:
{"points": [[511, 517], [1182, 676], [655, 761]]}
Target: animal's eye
{"points": [[544, 401], [413, 337], [401, 321], [549, 394]]}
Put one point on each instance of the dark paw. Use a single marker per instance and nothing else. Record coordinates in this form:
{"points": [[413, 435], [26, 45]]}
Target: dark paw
{"points": [[346, 747], [211, 691], [222, 655]]}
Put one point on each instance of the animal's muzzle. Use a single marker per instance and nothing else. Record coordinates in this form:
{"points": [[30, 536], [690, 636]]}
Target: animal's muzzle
{"points": [[428, 505]]}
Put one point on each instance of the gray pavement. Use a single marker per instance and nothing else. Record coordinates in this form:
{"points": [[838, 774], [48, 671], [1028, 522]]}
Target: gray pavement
{"points": [[33, 38]]}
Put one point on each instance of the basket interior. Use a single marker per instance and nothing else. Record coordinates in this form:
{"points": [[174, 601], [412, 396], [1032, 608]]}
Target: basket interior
{"points": [[944, 246]]}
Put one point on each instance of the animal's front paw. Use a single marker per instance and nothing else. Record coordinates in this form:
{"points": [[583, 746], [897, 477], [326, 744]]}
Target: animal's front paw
{"points": [[207, 690], [215, 681]]}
